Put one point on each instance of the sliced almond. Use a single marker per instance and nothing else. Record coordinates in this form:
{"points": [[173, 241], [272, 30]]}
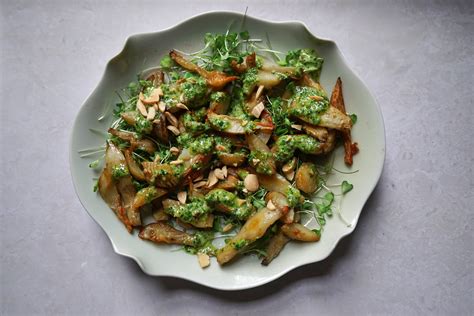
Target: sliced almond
{"points": [[153, 97], [227, 228], [290, 175], [257, 110], [251, 182], [270, 205], [219, 174], [316, 98], [255, 161], [204, 260], [212, 179], [151, 113], [174, 150], [181, 98], [159, 91], [224, 170], [172, 119], [141, 108], [200, 184], [182, 106], [173, 129], [289, 166], [162, 106], [297, 127], [182, 197], [176, 162], [259, 91], [199, 178]]}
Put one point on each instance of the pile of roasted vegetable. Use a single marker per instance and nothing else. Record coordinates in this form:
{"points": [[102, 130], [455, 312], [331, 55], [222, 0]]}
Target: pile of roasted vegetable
{"points": [[221, 144]]}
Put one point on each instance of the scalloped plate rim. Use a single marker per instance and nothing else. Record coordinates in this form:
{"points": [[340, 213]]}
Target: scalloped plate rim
{"points": [[116, 247]]}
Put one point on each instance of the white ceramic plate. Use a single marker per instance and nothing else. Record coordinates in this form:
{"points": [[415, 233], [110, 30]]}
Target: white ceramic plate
{"points": [[144, 51]]}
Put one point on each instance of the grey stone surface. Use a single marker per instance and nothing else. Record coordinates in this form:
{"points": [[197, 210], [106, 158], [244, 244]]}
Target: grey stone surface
{"points": [[412, 252]]}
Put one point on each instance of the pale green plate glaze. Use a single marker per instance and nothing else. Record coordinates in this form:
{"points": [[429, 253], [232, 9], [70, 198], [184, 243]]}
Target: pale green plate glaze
{"points": [[144, 51]]}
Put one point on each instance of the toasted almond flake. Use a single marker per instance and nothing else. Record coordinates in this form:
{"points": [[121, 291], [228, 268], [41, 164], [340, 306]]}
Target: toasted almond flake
{"points": [[151, 114], [141, 108], [251, 182], [297, 127], [173, 129], [182, 106], [270, 205], [199, 178], [227, 228], [255, 161], [235, 164], [159, 91], [172, 119], [316, 97], [200, 184], [182, 197], [141, 97], [181, 98], [289, 166], [212, 179], [257, 110], [224, 170], [219, 174], [155, 106], [259, 91], [290, 175], [153, 97], [204, 260], [245, 190], [162, 106], [174, 150], [176, 162]]}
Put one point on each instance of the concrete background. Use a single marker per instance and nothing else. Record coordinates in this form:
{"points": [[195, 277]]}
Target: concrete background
{"points": [[412, 252]]}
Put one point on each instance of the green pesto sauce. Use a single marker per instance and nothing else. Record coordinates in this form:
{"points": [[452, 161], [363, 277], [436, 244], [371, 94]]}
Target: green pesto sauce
{"points": [[242, 173], [249, 81], [261, 161], [219, 123], [306, 108], [142, 125], [220, 196], [194, 91], [202, 145], [192, 123], [293, 196], [237, 108], [224, 142], [191, 211], [243, 212], [286, 145], [229, 200], [177, 170], [219, 97], [202, 243], [283, 149], [184, 139], [119, 171], [149, 193], [170, 95]]}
